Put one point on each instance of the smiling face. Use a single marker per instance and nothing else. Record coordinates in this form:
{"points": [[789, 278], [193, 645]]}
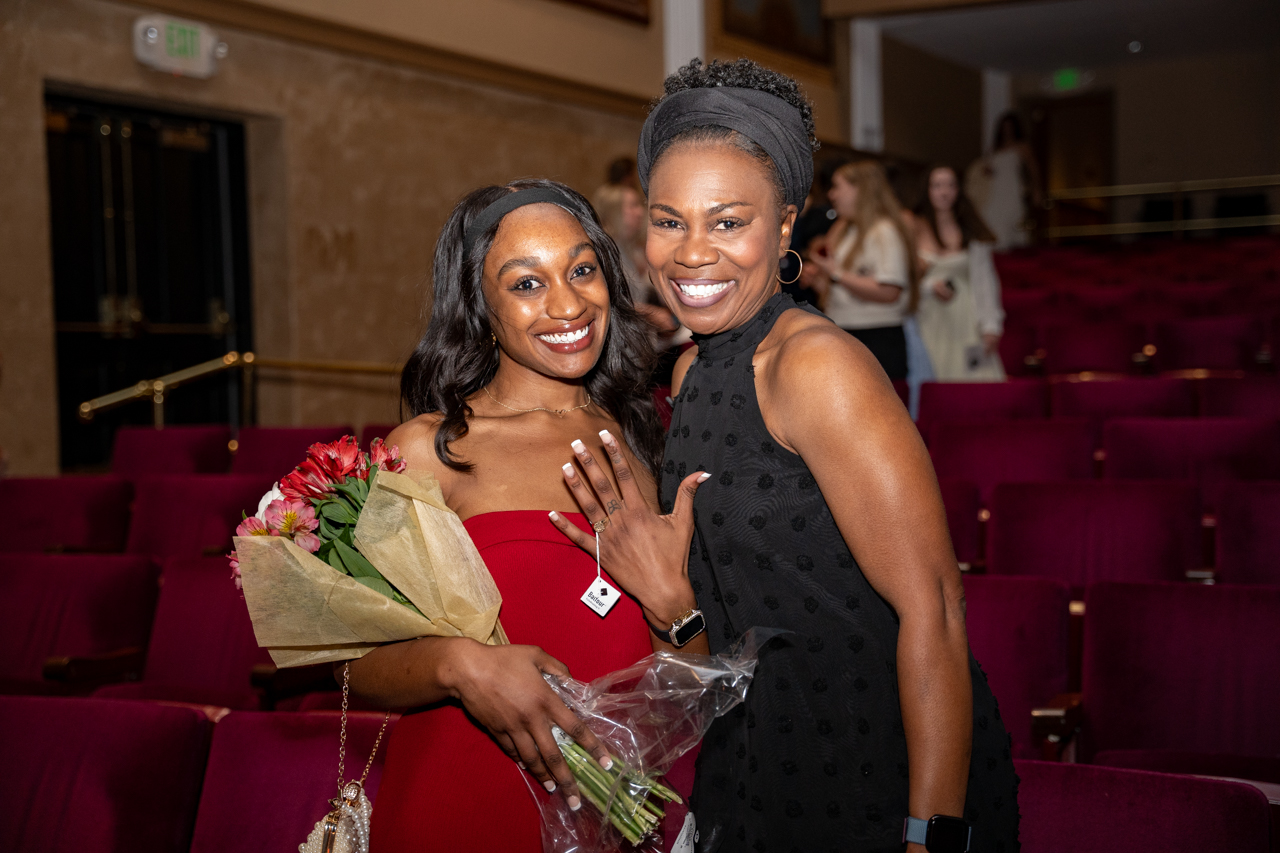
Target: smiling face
{"points": [[715, 235], [547, 297], [943, 189]]}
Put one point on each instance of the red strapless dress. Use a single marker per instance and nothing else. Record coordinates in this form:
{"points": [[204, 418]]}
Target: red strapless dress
{"points": [[446, 785]]}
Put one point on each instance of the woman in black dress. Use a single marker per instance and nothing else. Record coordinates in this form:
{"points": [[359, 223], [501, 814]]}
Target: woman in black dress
{"points": [[821, 514]]}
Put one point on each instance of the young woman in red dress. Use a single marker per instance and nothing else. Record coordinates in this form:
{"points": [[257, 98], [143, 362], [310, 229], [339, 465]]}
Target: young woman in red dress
{"points": [[533, 341]]}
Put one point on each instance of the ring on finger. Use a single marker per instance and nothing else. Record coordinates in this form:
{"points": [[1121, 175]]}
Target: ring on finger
{"points": [[600, 525]]}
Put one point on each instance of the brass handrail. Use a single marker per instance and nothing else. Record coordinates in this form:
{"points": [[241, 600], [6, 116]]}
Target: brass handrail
{"points": [[1165, 188], [158, 387]]}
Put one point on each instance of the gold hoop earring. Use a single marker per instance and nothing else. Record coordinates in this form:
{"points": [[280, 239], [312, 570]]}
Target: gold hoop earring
{"points": [[799, 273]]}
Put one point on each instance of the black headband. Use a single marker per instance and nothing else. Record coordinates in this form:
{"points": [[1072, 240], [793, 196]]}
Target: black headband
{"points": [[767, 120], [508, 203]]}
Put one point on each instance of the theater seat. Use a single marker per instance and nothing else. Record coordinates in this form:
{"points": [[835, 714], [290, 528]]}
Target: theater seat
{"points": [[193, 515], [1123, 398], [1255, 768], [969, 401], [1183, 667], [270, 777], [1018, 631], [53, 514], [1086, 531], [1247, 397], [202, 646], [1016, 451], [1102, 347], [275, 451], [963, 502], [1211, 343], [1210, 451], [73, 606], [1071, 808], [140, 451], [89, 776], [1247, 543]]}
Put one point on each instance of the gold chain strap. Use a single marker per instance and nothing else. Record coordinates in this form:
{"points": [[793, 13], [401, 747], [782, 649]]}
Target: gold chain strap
{"points": [[342, 736]]}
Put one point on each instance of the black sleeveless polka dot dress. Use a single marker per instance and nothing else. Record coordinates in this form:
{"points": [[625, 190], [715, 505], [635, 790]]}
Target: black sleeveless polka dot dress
{"points": [[816, 758]]}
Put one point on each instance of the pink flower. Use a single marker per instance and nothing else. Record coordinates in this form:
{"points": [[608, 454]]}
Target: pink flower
{"points": [[307, 482], [307, 542], [235, 569], [290, 518], [252, 526], [384, 458]]}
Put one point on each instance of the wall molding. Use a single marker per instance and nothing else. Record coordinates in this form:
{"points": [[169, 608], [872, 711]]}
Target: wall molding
{"points": [[297, 28]]}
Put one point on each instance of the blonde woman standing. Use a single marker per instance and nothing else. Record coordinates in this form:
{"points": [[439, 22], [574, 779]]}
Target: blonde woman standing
{"points": [[867, 260]]}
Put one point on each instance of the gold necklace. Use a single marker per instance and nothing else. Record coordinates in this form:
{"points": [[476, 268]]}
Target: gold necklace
{"points": [[560, 412]]}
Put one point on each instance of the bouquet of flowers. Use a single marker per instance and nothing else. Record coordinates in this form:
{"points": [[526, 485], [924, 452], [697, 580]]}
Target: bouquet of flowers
{"points": [[351, 550]]}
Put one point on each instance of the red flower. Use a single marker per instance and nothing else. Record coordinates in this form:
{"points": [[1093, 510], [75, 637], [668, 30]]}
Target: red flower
{"points": [[386, 458], [325, 465], [307, 482]]}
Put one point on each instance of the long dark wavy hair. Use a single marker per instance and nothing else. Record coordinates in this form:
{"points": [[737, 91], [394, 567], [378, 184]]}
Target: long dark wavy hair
{"points": [[967, 217], [456, 356]]}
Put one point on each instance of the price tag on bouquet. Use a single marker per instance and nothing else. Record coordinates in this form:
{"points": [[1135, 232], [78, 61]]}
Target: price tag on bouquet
{"points": [[600, 596]]}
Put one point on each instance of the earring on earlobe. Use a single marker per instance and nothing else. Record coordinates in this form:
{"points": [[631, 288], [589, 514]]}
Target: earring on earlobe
{"points": [[494, 339], [799, 272]]}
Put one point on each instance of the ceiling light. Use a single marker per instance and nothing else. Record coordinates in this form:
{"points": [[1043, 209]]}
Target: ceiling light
{"points": [[1135, 46]]}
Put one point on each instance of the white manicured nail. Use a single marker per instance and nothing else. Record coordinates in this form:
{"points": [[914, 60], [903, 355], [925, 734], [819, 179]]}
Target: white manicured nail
{"points": [[568, 471], [579, 446], [549, 785], [574, 804], [606, 763], [606, 436], [706, 475]]}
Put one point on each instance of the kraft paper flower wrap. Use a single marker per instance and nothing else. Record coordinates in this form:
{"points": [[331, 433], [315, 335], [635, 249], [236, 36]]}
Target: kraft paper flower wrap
{"points": [[306, 612]]}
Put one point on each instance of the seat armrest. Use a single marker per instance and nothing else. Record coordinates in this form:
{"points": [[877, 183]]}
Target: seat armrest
{"points": [[119, 665], [1055, 725]]}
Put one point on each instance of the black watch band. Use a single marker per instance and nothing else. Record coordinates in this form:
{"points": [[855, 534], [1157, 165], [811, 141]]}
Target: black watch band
{"points": [[938, 834], [688, 625]]}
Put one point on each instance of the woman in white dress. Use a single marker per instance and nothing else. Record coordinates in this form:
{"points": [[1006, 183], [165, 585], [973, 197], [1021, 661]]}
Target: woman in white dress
{"points": [[959, 316], [1003, 182]]}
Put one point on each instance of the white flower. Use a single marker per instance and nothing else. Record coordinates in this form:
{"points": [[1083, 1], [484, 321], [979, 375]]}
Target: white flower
{"points": [[274, 495]]}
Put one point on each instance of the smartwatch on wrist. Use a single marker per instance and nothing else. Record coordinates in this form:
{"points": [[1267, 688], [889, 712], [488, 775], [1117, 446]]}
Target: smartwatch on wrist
{"points": [[938, 834], [687, 626]]}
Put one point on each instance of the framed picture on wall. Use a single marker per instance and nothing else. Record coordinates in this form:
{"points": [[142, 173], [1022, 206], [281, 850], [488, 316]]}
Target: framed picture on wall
{"points": [[636, 10], [791, 26]]}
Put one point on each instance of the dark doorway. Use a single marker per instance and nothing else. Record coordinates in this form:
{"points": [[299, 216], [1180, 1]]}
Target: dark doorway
{"points": [[1073, 142], [150, 263]]}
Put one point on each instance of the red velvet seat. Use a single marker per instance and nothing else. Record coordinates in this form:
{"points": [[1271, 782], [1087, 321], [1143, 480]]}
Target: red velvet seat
{"points": [[270, 777], [194, 515], [1181, 666], [1213, 343], [140, 451], [1103, 347], [1018, 631], [1255, 768], [1081, 532], [202, 646], [369, 433], [1249, 397], [1025, 451], [1018, 341], [967, 401], [1247, 543], [963, 502], [276, 451], [1209, 451], [1072, 808], [1123, 398], [65, 513], [70, 605], [87, 776]]}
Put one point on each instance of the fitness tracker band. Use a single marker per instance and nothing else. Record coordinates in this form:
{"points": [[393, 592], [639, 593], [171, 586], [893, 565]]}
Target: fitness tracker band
{"points": [[938, 834]]}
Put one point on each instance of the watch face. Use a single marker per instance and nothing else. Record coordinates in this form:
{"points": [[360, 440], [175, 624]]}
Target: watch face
{"points": [[947, 835], [689, 630]]}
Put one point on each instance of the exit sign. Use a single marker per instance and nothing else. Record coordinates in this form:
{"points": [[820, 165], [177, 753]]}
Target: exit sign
{"points": [[177, 46]]}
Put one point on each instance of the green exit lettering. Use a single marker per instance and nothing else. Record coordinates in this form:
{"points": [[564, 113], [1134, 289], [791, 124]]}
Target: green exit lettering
{"points": [[182, 42]]}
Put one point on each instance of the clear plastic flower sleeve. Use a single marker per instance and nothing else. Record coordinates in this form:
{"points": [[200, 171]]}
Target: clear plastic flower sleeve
{"points": [[648, 715]]}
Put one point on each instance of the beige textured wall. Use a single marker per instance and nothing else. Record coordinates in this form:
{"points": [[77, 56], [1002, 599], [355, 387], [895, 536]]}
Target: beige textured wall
{"points": [[353, 167], [932, 107]]}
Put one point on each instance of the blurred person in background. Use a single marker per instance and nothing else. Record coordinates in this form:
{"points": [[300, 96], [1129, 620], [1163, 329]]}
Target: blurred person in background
{"points": [[809, 283], [959, 316], [621, 172], [867, 259], [1004, 182]]}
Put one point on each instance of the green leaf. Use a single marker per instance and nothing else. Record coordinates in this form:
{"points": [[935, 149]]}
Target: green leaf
{"points": [[349, 488], [377, 584], [328, 532], [335, 560], [356, 563], [336, 510]]}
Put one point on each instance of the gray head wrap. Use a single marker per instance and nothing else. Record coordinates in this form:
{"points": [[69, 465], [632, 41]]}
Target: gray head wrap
{"points": [[765, 119]]}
